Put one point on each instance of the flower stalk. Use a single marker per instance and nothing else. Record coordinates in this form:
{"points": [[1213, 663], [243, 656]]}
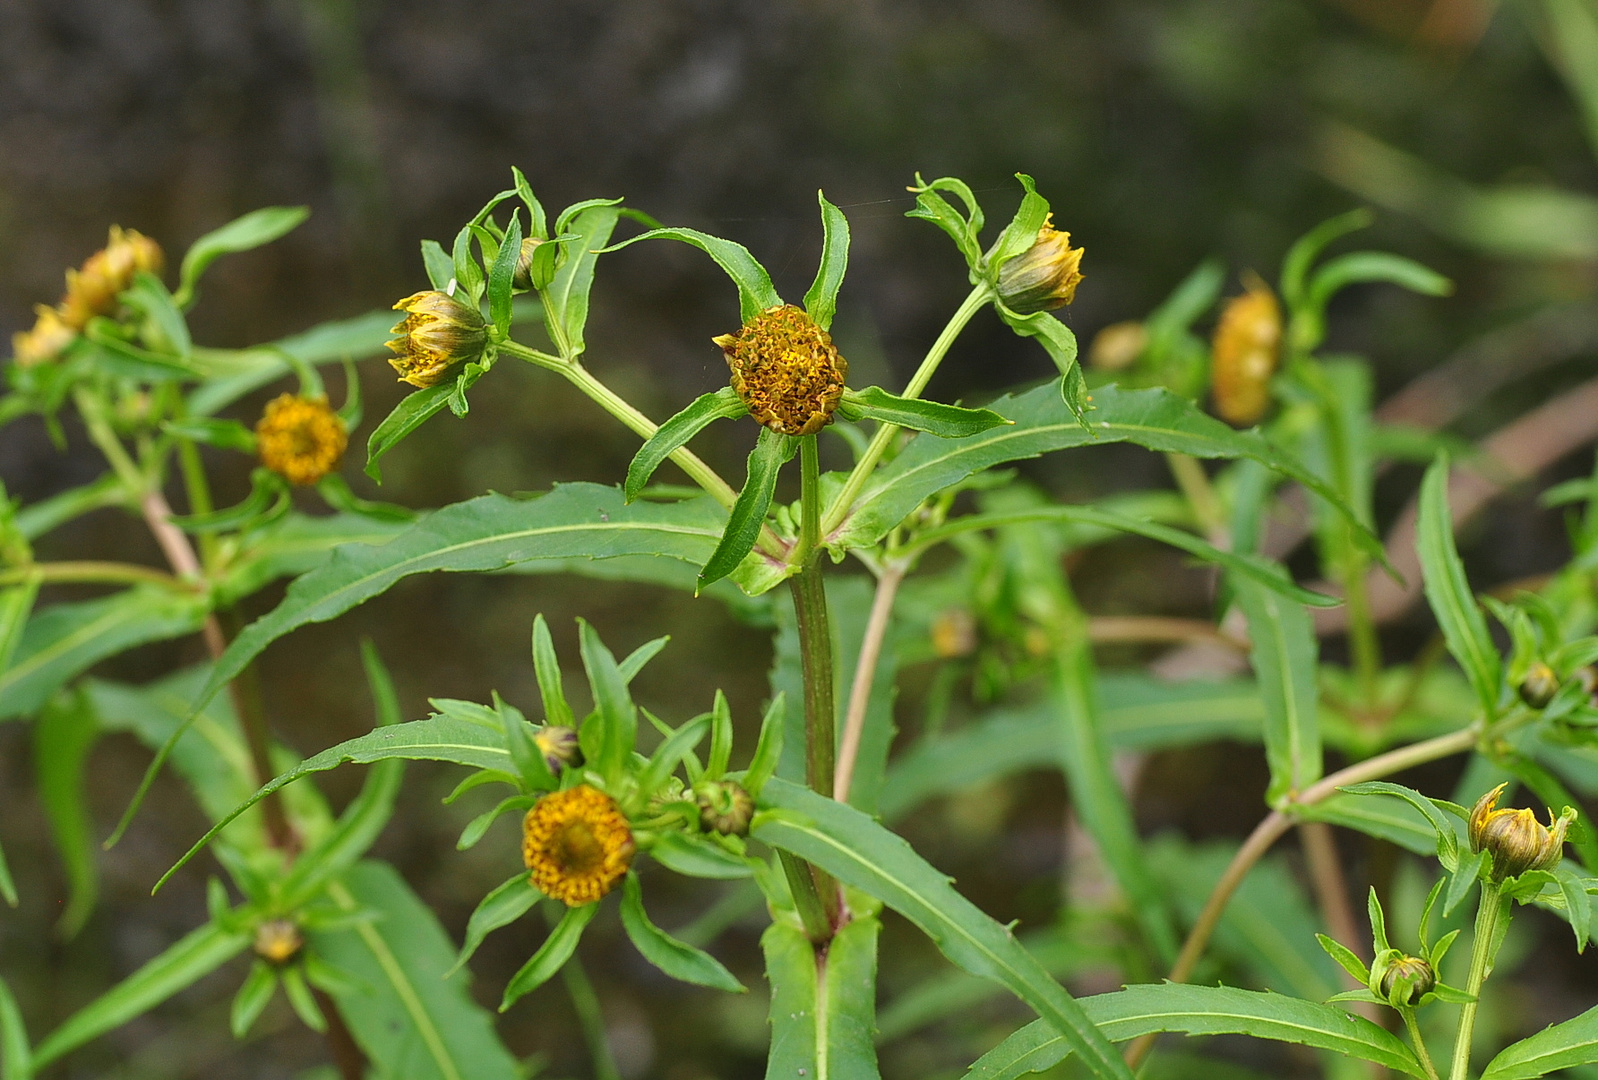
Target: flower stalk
{"points": [[1482, 949]]}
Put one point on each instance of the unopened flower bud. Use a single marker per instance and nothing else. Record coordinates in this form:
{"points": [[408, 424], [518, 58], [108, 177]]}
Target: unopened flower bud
{"points": [[559, 747], [1118, 346], [1539, 686], [93, 289], [1244, 353], [437, 333], [47, 340], [300, 438], [954, 633], [785, 370], [725, 808], [522, 277], [1515, 839], [1404, 980], [1044, 276], [277, 941]]}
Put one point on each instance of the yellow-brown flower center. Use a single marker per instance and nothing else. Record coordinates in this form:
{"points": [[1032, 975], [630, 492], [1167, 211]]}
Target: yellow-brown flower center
{"points": [[786, 370], [576, 844], [301, 439]]}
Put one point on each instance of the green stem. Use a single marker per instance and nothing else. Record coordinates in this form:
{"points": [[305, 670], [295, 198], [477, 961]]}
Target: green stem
{"points": [[110, 573], [975, 302], [198, 489], [92, 409], [1420, 1043], [585, 1003], [1481, 965], [1363, 644], [1201, 498], [809, 501]]}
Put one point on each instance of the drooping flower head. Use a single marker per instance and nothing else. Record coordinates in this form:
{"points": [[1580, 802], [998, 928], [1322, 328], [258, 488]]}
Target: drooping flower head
{"points": [[92, 290], [576, 844], [1516, 840], [1244, 354], [47, 340], [1044, 276], [437, 333], [786, 370], [300, 438]]}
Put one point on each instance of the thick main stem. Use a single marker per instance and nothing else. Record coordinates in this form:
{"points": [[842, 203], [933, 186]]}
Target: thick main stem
{"points": [[974, 303], [1481, 963]]}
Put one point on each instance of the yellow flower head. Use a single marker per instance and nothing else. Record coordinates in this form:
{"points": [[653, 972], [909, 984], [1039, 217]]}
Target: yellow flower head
{"points": [[1244, 353], [300, 438], [437, 333], [47, 340], [786, 370], [93, 289], [277, 941], [1517, 841], [577, 845], [1044, 276]]}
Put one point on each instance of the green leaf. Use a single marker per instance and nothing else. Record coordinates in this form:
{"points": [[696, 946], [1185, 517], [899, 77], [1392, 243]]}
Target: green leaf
{"points": [[62, 739], [409, 1018], [1022, 231], [166, 331], [1307, 248], [698, 856], [682, 962], [635, 661], [551, 955], [1201, 1010], [492, 532], [1397, 823], [1561, 1046], [1448, 592], [755, 291], [503, 906], [618, 720], [1284, 657], [546, 665], [822, 1020], [566, 297], [1444, 827], [670, 752], [1253, 568], [706, 408], [822, 299], [188, 960], [253, 996], [254, 229], [468, 273], [1345, 958], [500, 274], [226, 434], [16, 1059], [1154, 418], [1365, 266], [859, 852], [413, 410], [933, 417], [749, 512], [437, 738], [768, 750], [66, 639], [357, 829], [8, 886], [1060, 343], [720, 738], [440, 267], [963, 229]]}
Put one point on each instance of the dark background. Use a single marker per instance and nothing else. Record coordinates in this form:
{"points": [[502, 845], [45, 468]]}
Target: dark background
{"points": [[1163, 133]]}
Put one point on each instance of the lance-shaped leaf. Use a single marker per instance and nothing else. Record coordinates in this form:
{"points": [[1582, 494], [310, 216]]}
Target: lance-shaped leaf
{"points": [[768, 749], [670, 752], [1154, 418], [755, 291], [252, 998], [822, 1012], [749, 512], [1445, 828], [697, 855], [859, 852], [1307, 248], [609, 735], [190, 959], [411, 1018], [440, 267], [16, 1059], [933, 417], [501, 907], [241, 234], [1284, 659], [63, 736], [1562, 1046], [1201, 1010], [1448, 592], [8, 886], [551, 955], [1309, 323], [566, 296], [681, 961], [1060, 343], [707, 408], [413, 410], [963, 229], [1022, 231], [821, 302], [546, 666], [500, 274]]}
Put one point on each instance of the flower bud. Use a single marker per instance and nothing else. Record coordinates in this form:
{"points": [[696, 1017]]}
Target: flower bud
{"points": [[437, 333], [47, 340], [277, 941], [93, 289], [786, 370], [1404, 980], [1515, 839], [1244, 353], [954, 633], [725, 808], [1117, 346], [559, 747], [300, 438], [522, 277], [1539, 686], [1044, 276]]}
